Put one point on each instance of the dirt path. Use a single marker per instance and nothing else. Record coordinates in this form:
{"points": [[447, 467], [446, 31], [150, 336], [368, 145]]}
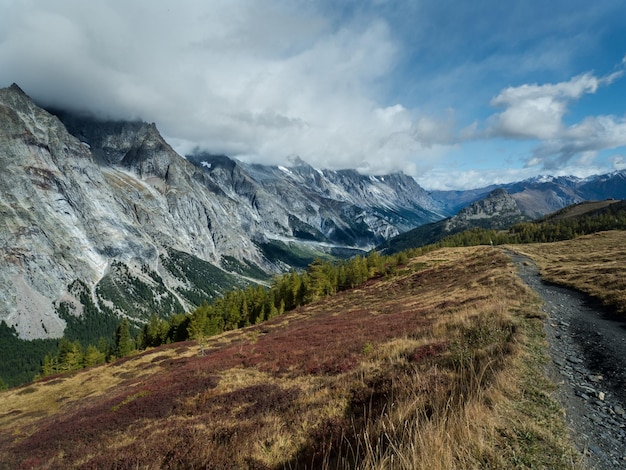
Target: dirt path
{"points": [[587, 345]]}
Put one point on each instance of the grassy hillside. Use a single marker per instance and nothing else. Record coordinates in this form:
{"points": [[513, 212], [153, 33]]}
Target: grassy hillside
{"points": [[595, 264], [580, 209], [434, 366]]}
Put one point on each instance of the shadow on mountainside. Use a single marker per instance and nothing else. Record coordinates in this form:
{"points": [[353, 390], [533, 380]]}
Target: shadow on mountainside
{"points": [[587, 347]]}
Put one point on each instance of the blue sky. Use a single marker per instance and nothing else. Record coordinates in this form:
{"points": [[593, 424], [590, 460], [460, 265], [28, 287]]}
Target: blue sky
{"points": [[457, 94]]}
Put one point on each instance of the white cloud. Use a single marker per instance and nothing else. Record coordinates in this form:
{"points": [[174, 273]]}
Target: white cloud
{"points": [[618, 162], [265, 80], [586, 138], [428, 130], [257, 80], [451, 179], [537, 111]]}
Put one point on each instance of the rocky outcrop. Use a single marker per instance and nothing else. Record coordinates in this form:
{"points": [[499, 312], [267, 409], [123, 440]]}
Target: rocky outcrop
{"points": [[113, 206], [499, 210]]}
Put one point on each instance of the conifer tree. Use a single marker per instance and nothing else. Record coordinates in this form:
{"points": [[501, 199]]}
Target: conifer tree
{"points": [[93, 356], [197, 322], [123, 342], [70, 356]]}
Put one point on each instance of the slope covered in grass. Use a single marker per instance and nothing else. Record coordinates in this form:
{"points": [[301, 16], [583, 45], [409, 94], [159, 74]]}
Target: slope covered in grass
{"points": [[594, 264], [435, 366]]}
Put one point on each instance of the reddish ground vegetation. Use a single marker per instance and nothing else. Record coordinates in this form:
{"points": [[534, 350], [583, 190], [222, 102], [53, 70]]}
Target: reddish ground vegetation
{"points": [[430, 350], [173, 412]]}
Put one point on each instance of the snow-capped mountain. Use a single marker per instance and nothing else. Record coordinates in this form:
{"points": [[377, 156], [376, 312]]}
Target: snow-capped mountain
{"points": [[542, 195]]}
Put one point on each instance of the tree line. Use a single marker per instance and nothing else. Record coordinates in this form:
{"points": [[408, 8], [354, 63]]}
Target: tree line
{"points": [[254, 304], [612, 217], [235, 309]]}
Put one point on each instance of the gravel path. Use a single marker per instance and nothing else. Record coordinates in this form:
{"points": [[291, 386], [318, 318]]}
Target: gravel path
{"points": [[587, 345]]}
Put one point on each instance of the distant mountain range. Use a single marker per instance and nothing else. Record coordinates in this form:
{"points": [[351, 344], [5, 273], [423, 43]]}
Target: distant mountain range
{"points": [[543, 194], [105, 218], [498, 210]]}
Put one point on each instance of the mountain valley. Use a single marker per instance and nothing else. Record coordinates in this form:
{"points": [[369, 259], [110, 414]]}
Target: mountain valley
{"points": [[77, 209], [102, 220]]}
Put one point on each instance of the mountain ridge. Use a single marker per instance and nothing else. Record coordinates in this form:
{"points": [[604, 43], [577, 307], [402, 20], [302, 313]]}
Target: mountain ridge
{"points": [[498, 210], [541, 195], [79, 196]]}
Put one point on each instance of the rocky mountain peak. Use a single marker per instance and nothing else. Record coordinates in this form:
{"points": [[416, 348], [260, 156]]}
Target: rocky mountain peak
{"points": [[149, 154], [295, 161], [497, 210], [16, 88], [497, 203]]}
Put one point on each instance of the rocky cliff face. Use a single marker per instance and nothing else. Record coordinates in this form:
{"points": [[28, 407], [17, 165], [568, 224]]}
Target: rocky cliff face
{"points": [[340, 207], [100, 213], [53, 229], [499, 210]]}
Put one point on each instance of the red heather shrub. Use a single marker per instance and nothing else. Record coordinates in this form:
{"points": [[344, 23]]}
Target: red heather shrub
{"points": [[430, 350]]}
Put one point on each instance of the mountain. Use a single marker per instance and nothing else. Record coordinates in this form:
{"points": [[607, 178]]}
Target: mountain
{"points": [[498, 210], [101, 219], [612, 185], [340, 207], [542, 195], [610, 208], [104, 219], [295, 203]]}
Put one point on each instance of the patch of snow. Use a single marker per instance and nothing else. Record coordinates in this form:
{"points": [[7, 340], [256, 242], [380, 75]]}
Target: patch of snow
{"points": [[206, 165], [86, 145], [285, 170], [310, 243], [542, 179]]}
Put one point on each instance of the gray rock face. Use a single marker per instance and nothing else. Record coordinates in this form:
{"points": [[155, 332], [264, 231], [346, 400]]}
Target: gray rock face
{"points": [[75, 204], [341, 207], [51, 229], [498, 210]]}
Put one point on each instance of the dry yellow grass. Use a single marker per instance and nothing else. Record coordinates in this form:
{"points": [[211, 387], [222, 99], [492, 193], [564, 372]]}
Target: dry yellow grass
{"points": [[437, 367], [595, 264], [491, 411], [66, 391]]}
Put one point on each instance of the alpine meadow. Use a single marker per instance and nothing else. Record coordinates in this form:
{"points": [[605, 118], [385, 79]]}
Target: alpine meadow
{"points": [[302, 235]]}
